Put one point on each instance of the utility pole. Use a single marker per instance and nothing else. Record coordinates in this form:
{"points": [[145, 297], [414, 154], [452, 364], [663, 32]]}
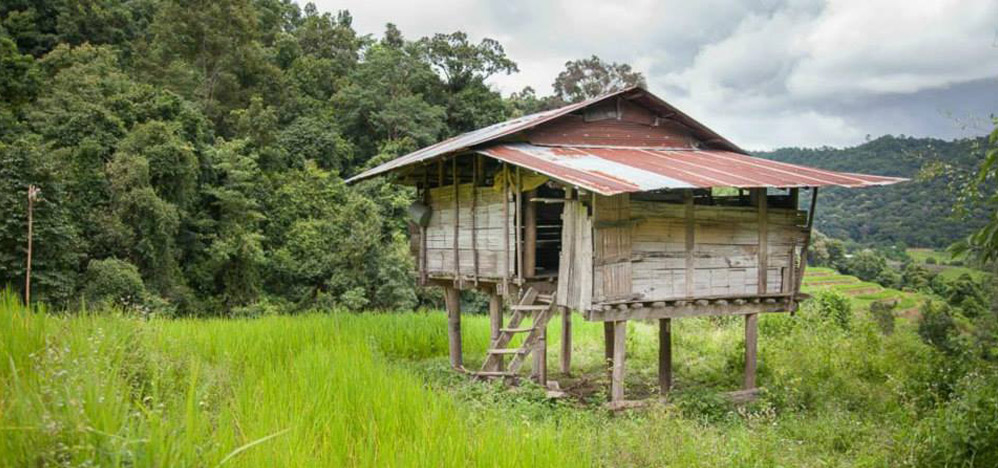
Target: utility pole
{"points": [[32, 196]]}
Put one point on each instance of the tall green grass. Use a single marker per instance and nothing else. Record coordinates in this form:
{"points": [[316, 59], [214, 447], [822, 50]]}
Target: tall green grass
{"points": [[314, 390], [338, 389]]}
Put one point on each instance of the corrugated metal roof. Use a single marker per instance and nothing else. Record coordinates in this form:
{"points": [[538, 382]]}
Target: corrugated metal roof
{"points": [[617, 170], [499, 130]]}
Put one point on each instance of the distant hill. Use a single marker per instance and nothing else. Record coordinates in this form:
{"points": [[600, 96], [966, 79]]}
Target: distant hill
{"points": [[918, 213]]}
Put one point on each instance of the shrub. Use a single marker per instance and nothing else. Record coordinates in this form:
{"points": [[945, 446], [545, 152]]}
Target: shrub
{"points": [[114, 281], [937, 327], [883, 314], [963, 432], [930, 260], [832, 306]]}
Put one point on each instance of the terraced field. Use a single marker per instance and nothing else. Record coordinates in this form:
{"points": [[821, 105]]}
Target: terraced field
{"points": [[861, 293]]}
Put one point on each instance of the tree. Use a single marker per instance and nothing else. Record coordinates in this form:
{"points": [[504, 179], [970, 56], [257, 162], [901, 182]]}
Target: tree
{"points": [[462, 63], [982, 244], [591, 77]]}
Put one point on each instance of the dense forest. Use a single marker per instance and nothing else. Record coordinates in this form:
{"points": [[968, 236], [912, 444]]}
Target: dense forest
{"points": [[191, 155], [883, 215]]}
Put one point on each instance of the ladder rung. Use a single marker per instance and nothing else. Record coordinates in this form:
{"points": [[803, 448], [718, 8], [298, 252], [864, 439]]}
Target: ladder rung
{"points": [[494, 374], [549, 298], [530, 307], [507, 351], [516, 330]]}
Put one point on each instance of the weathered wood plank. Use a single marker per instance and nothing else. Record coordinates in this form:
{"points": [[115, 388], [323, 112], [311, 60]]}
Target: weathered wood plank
{"points": [[452, 298], [751, 339], [619, 354], [687, 310], [664, 355]]}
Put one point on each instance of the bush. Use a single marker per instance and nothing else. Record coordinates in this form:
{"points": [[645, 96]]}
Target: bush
{"points": [[832, 306], [883, 314], [930, 260], [963, 432], [114, 281], [937, 326]]}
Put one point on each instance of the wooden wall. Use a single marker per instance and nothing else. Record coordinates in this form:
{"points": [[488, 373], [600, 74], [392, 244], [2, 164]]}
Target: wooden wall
{"points": [[487, 232], [725, 254]]}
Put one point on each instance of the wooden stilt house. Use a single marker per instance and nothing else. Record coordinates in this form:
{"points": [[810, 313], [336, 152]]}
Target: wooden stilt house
{"points": [[618, 208]]}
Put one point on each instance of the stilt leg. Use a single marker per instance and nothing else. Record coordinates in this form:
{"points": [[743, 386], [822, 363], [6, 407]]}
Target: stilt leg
{"points": [[495, 322], [664, 355], [619, 350], [608, 348], [452, 296], [751, 337], [566, 340], [541, 359]]}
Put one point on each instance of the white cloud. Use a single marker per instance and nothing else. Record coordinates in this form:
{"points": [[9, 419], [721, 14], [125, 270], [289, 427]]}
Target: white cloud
{"points": [[765, 73]]}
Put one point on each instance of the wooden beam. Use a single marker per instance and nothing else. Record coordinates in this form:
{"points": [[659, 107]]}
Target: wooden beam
{"points": [[763, 261], [690, 309], [519, 226], [457, 222], [566, 340], [422, 229], [608, 348], [540, 369], [751, 338], [452, 297], [505, 229], [495, 320], [619, 353], [664, 355], [530, 237], [476, 161], [690, 240]]}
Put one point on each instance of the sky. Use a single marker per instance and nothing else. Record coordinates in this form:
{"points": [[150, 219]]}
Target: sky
{"points": [[765, 74]]}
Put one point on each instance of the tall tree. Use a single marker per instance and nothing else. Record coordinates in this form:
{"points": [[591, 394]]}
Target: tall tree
{"points": [[590, 77]]}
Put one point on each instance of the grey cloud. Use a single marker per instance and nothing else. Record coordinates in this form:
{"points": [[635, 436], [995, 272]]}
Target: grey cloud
{"points": [[765, 73]]}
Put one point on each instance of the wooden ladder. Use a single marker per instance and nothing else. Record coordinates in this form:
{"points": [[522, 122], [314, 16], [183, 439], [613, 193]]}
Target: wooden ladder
{"points": [[542, 307]]}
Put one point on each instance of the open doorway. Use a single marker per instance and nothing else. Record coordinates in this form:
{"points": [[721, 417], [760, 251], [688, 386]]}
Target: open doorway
{"points": [[546, 204]]}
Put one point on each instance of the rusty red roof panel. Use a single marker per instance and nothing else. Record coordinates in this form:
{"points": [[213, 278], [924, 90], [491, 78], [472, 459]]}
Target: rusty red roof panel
{"points": [[488, 134], [617, 170]]}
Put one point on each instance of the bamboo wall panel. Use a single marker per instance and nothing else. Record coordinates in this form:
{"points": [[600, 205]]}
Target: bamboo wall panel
{"points": [[575, 268], [488, 236], [726, 247], [612, 249]]}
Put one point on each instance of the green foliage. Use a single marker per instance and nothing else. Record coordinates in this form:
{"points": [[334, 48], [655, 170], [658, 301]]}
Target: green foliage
{"points": [[113, 281], [937, 327], [883, 313], [590, 77], [962, 432], [831, 306], [882, 215]]}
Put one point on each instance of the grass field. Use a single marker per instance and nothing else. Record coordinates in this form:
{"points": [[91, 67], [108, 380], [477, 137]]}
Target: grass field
{"points": [[339, 389], [942, 265]]}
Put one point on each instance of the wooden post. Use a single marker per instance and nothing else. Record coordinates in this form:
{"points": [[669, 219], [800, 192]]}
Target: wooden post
{"points": [[519, 227], [619, 351], [751, 337], [457, 223], [477, 161], [664, 355], [495, 321], [541, 359], [763, 260], [422, 229], [690, 241], [452, 297], [32, 195], [505, 229], [608, 348], [530, 236], [566, 340]]}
